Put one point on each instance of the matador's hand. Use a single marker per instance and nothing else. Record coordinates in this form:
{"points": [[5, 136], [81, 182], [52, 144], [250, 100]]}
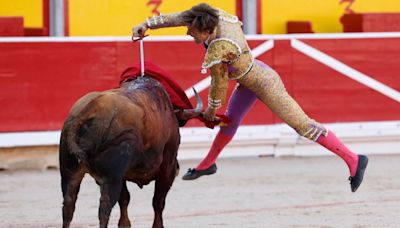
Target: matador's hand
{"points": [[209, 114], [139, 30]]}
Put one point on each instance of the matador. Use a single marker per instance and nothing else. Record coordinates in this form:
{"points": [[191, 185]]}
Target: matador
{"points": [[228, 57]]}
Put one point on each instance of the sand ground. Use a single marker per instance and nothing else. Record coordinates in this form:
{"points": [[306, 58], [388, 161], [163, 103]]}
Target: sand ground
{"points": [[245, 192]]}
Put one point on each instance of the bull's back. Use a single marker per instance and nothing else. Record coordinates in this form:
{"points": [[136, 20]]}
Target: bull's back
{"points": [[148, 108], [83, 102], [136, 117], [141, 107]]}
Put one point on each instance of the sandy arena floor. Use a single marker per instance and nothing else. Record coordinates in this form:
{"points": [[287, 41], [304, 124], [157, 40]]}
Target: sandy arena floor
{"points": [[246, 192]]}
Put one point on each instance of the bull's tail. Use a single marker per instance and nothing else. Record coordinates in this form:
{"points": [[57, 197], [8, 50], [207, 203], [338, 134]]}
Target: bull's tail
{"points": [[83, 132], [71, 128]]}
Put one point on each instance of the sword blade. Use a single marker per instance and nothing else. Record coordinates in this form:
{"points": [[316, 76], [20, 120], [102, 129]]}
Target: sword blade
{"points": [[142, 57]]}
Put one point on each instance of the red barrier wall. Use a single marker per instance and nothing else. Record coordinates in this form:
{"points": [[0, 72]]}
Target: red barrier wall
{"points": [[371, 22], [39, 81], [11, 26]]}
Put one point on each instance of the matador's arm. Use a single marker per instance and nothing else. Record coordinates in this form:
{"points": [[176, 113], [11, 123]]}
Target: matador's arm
{"points": [[220, 54], [219, 85], [165, 20], [162, 21]]}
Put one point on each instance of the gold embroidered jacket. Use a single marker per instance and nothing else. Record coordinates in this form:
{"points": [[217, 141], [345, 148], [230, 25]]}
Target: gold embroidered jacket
{"points": [[227, 56]]}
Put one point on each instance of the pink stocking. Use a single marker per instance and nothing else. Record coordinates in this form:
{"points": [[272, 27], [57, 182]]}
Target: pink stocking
{"points": [[218, 145], [332, 143]]}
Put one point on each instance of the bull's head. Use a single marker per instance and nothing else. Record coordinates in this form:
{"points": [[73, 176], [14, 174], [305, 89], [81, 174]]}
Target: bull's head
{"points": [[187, 114]]}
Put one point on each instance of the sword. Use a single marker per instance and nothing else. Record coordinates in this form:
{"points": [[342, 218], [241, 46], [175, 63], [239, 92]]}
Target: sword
{"points": [[141, 57], [140, 39]]}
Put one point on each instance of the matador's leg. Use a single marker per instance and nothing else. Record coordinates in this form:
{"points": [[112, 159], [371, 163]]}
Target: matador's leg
{"points": [[268, 86], [240, 103]]}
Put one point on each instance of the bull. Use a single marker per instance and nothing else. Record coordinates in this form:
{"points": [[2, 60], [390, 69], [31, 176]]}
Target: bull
{"points": [[126, 134]]}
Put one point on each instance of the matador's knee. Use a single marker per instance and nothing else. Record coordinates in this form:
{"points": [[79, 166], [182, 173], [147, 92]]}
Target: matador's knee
{"points": [[312, 130]]}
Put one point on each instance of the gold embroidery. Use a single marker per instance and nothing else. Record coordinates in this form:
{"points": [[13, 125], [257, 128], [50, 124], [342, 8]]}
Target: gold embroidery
{"points": [[269, 88], [219, 85], [221, 50], [230, 49], [165, 20]]}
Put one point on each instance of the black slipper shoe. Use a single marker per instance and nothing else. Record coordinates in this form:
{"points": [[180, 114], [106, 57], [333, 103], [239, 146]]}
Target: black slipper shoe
{"points": [[192, 174], [356, 181]]}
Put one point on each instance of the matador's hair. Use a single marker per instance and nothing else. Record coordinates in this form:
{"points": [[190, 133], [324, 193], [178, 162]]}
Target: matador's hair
{"points": [[201, 16]]}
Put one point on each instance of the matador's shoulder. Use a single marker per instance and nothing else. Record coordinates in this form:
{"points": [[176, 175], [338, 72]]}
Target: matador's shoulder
{"points": [[221, 50]]}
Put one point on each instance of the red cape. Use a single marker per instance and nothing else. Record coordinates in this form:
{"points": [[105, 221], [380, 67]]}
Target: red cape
{"points": [[178, 97]]}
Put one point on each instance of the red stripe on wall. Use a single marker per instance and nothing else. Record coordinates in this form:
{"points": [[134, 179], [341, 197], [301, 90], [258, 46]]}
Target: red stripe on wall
{"points": [[66, 17], [259, 17], [239, 9], [239, 14], [46, 17]]}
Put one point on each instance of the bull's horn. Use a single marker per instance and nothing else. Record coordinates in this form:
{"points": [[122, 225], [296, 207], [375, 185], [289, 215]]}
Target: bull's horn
{"points": [[191, 113], [199, 105]]}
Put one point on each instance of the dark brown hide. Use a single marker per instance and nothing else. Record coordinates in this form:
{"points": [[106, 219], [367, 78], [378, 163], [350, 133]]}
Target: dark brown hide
{"points": [[129, 133]]}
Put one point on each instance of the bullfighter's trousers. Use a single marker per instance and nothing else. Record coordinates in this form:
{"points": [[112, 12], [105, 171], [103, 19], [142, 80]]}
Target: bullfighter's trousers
{"points": [[263, 83]]}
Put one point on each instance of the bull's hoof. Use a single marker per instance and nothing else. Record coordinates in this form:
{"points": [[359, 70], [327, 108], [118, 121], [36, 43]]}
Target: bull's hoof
{"points": [[192, 174], [124, 223], [356, 181]]}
